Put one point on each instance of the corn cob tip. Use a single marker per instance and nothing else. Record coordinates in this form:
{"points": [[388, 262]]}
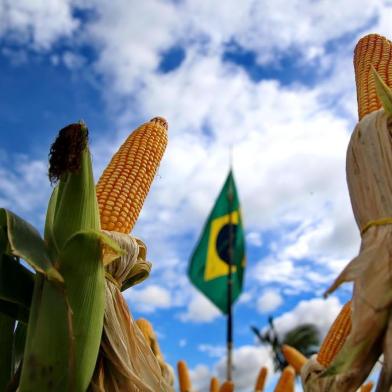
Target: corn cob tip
{"points": [[160, 120], [294, 357], [376, 50]]}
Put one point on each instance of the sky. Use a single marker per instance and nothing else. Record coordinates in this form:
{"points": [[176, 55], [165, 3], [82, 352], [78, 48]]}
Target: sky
{"points": [[272, 80]]}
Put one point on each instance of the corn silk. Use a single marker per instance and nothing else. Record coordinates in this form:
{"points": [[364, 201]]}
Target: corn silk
{"points": [[369, 178]]}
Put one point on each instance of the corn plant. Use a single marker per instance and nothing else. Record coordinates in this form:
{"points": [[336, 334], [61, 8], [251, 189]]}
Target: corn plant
{"points": [[58, 309]]}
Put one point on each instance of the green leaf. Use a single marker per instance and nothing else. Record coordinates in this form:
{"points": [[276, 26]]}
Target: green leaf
{"points": [[19, 343], [16, 282], [7, 325], [48, 232], [48, 363], [383, 92], [13, 310], [82, 267], [25, 242]]}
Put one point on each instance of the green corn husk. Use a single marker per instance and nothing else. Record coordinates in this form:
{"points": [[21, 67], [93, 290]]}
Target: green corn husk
{"points": [[383, 91], [66, 313], [76, 206], [7, 325], [24, 241], [16, 284], [48, 357], [19, 344]]}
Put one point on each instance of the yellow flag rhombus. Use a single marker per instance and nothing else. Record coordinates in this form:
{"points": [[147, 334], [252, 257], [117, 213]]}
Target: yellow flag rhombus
{"points": [[215, 266]]}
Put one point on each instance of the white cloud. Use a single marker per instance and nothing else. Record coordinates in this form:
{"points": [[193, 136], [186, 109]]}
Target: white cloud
{"points": [[211, 350], [24, 186], [289, 140], [148, 299], [182, 342], [254, 238], [37, 23], [247, 361], [200, 377], [316, 311], [72, 60], [200, 310], [269, 301]]}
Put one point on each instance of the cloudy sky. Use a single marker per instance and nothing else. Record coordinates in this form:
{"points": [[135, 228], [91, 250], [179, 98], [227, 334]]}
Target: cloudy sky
{"points": [[272, 79]]}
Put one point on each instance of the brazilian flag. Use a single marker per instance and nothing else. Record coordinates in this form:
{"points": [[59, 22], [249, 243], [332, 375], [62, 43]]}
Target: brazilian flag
{"points": [[209, 265]]}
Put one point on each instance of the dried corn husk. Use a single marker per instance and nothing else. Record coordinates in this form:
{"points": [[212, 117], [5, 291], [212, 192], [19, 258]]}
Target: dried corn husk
{"points": [[369, 174], [126, 361], [152, 341]]}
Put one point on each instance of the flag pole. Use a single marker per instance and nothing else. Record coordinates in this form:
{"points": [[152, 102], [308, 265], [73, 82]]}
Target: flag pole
{"points": [[230, 280]]}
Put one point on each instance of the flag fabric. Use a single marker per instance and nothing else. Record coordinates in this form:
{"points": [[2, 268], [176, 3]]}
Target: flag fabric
{"points": [[209, 265]]}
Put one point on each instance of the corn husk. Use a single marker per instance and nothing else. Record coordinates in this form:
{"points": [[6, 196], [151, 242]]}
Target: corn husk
{"points": [[67, 306], [126, 362], [7, 325], [369, 169]]}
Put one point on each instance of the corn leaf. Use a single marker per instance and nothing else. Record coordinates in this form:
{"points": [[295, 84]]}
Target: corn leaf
{"points": [[81, 264], [19, 344], [383, 91], [48, 232], [48, 363], [24, 241], [16, 282], [7, 325]]}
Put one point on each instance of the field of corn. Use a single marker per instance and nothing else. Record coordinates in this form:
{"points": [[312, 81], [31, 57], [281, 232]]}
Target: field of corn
{"points": [[66, 326]]}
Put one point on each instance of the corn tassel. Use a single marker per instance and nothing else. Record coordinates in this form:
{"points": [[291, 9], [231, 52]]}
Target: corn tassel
{"points": [[286, 381], [227, 386], [183, 377], [262, 377], [336, 336], [294, 357], [376, 50], [214, 385], [125, 182]]}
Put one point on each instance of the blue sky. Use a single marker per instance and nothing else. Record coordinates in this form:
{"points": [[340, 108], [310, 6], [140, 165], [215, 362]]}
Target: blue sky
{"points": [[273, 79]]}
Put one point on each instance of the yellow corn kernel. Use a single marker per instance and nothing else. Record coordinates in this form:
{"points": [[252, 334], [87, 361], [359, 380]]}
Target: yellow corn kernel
{"points": [[286, 381], [366, 387], [376, 50], [227, 386], [214, 385], [336, 336], [294, 357], [261, 378], [183, 377], [125, 182]]}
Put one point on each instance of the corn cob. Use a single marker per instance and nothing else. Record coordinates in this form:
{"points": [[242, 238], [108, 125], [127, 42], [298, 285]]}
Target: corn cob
{"points": [[214, 385], [286, 381], [376, 50], [260, 382], [227, 386], [366, 387], [125, 182], [294, 357], [336, 336], [183, 377]]}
